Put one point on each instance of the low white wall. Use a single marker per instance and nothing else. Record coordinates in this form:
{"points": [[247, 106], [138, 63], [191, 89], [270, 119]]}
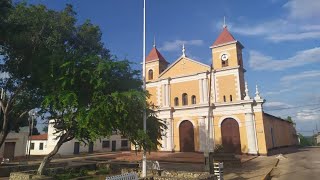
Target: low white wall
{"points": [[68, 147], [36, 150]]}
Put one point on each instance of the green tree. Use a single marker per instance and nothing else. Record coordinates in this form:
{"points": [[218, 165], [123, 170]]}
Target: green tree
{"points": [[289, 119], [94, 97], [45, 129], [31, 37], [304, 141], [64, 70]]}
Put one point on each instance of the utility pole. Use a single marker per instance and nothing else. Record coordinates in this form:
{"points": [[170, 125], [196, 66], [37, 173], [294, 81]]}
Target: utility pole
{"points": [[207, 160], [144, 156], [31, 114]]}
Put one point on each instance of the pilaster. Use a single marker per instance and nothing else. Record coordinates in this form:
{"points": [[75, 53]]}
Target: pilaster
{"points": [[251, 133], [202, 133]]}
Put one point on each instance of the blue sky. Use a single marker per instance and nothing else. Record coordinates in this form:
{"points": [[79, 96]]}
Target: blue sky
{"points": [[281, 39]]}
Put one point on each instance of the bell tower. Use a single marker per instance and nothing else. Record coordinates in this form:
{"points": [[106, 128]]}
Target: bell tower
{"points": [[228, 67], [155, 64]]}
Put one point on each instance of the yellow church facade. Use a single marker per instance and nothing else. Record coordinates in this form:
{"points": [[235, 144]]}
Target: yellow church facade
{"points": [[204, 107]]}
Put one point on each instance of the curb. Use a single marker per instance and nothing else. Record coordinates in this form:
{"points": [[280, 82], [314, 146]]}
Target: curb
{"points": [[267, 176], [249, 159]]}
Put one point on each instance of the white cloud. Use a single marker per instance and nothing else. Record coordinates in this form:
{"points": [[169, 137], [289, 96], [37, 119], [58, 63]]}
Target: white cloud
{"points": [[280, 30], [301, 76], [262, 29], [259, 61], [293, 36], [308, 114], [177, 44], [303, 9], [280, 91], [299, 22], [276, 105]]}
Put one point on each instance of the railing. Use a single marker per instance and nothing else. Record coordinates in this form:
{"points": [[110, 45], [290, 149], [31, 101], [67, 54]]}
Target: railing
{"points": [[126, 176], [218, 170]]}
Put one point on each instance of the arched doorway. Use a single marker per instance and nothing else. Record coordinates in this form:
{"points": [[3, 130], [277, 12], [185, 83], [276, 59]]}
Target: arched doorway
{"points": [[231, 136], [186, 135]]}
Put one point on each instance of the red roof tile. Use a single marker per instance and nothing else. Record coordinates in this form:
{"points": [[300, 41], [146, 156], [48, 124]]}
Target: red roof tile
{"points": [[155, 55], [40, 137], [224, 37]]}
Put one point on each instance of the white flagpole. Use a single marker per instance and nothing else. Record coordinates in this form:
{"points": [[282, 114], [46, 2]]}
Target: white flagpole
{"points": [[144, 156]]}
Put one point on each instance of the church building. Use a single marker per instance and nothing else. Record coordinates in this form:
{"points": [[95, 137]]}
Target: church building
{"points": [[204, 107]]}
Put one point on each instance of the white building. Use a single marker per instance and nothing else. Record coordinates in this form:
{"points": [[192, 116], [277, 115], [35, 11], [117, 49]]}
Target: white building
{"points": [[43, 144], [15, 145]]}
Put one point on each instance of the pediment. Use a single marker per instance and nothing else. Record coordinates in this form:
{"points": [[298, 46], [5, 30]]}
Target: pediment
{"points": [[184, 66]]}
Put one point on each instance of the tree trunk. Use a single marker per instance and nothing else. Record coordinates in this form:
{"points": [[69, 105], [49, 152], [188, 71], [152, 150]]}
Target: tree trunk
{"points": [[3, 136], [46, 160]]}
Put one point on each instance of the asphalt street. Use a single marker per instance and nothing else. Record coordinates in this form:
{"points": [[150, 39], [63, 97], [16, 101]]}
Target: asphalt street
{"points": [[300, 165]]}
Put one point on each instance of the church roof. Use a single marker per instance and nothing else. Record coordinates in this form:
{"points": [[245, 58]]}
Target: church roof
{"points": [[155, 55], [224, 37]]}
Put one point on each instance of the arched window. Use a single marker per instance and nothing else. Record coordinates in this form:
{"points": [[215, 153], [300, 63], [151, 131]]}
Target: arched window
{"points": [[224, 63], [150, 74], [230, 98], [224, 98], [193, 99], [176, 101], [184, 99]]}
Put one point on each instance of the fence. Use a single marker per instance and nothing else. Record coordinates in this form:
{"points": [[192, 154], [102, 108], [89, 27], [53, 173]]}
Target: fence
{"points": [[126, 176], [218, 170]]}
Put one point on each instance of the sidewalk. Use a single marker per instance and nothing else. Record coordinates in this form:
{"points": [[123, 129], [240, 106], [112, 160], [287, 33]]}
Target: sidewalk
{"points": [[255, 169], [252, 167], [177, 157]]}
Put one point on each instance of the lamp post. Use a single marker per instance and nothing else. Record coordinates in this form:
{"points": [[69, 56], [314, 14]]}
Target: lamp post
{"points": [[144, 156]]}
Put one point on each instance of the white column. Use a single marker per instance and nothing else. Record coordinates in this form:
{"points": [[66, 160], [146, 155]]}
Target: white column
{"points": [[169, 134], [202, 133], [210, 122], [251, 134], [200, 91], [164, 138], [163, 95], [205, 90], [158, 95], [168, 94]]}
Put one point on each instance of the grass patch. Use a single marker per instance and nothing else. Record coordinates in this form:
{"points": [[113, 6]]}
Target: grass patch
{"points": [[70, 174], [103, 171]]}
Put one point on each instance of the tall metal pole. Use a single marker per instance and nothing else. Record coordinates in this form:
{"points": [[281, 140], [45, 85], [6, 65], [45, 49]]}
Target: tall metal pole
{"points": [[144, 156], [207, 159], [30, 135]]}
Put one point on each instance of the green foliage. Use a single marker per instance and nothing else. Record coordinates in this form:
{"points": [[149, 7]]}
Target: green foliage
{"points": [[103, 171], [289, 119], [31, 37], [304, 141], [218, 148], [62, 68], [45, 129], [70, 174]]}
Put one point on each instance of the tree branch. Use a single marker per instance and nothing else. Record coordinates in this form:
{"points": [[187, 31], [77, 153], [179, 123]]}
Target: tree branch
{"points": [[12, 98]]}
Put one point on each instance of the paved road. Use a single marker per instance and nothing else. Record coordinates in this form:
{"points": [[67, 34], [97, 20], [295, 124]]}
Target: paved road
{"points": [[300, 165]]}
